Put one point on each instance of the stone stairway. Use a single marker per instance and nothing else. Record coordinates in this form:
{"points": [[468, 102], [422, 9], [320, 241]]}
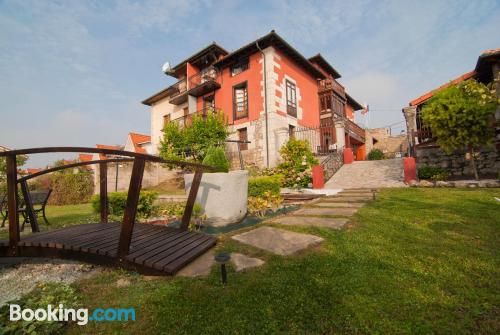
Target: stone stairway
{"points": [[368, 174]]}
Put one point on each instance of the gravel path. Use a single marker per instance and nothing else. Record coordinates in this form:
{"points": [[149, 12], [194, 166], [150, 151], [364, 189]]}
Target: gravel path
{"points": [[19, 276]]}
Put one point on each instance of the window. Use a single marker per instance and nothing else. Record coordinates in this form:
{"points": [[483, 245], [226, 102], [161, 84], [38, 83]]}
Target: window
{"points": [[239, 67], [291, 131], [291, 99], [240, 101], [243, 136], [209, 103], [166, 120]]}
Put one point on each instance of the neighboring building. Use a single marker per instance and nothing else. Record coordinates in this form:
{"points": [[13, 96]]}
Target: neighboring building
{"points": [[423, 143], [265, 89], [391, 145], [138, 143]]}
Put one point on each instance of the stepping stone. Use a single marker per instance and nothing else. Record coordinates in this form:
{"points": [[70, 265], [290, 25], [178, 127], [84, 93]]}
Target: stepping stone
{"points": [[346, 199], [325, 211], [199, 267], [278, 241], [338, 204], [361, 195], [242, 262], [308, 221], [358, 190]]}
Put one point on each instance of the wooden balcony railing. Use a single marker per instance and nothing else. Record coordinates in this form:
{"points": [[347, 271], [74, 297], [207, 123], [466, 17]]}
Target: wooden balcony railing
{"points": [[355, 131], [210, 74], [331, 84]]}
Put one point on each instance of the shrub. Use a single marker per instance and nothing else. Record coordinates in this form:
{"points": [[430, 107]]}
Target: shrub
{"points": [[257, 186], [261, 204], [69, 188], [117, 202], [427, 171], [217, 158], [375, 154], [298, 160]]}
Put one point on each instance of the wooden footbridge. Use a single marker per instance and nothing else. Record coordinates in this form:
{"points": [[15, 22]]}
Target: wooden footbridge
{"points": [[148, 249]]}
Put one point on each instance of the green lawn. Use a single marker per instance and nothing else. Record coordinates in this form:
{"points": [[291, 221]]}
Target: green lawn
{"points": [[414, 261], [58, 216]]}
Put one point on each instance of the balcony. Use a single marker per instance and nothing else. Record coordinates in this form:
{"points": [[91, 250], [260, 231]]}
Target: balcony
{"points": [[331, 85], [186, 119], [355, 131], [197, 85]]}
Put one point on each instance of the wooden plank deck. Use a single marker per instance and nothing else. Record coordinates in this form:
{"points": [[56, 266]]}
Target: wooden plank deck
{"points": [[153, 250]]}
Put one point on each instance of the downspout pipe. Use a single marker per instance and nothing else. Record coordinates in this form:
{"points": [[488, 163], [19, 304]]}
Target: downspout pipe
{"points": [[265, 101]]}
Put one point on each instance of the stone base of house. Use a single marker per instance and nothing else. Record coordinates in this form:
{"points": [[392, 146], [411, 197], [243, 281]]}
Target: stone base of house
{"points": [[487, 160]]}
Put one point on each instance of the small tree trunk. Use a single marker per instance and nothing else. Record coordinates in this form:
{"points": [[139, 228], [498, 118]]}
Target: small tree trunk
{"points": [[473, 163]]}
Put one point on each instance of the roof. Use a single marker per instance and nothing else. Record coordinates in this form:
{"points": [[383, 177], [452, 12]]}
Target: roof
{"points": [[211, 48], [323, 63], [271, 39], [84, 157], [104, 146], [138, 139], [157, 96], [484, 64], [356, 105], [430, 94]]}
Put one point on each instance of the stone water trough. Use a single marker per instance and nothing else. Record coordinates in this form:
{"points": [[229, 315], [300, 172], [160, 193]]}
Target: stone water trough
{"points": [[222, 196]]}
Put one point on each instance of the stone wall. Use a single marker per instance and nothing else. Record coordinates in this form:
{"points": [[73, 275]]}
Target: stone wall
{"points": [[154, 174], [488, 160]]}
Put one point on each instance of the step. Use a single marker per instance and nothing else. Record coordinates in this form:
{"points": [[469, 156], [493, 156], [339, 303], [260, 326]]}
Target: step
{"points": [[356, 195], [359, 190], [346, 199]]}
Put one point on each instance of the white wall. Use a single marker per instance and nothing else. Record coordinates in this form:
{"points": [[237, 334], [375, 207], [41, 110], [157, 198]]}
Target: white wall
{"points": [[158, 110]]}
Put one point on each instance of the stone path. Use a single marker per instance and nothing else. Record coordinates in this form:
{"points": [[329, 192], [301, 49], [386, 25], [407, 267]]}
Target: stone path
{"points": [[278, 241], [369, 174]]}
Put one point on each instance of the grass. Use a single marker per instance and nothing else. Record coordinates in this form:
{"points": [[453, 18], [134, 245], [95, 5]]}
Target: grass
{"points": [[58, 216], [414, 261]]}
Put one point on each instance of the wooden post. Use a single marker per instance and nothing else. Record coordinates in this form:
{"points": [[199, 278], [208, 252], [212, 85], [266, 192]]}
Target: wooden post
{"points": [[29, 207], [131, 208], [12, 203], [188, 211], [103, 191]]}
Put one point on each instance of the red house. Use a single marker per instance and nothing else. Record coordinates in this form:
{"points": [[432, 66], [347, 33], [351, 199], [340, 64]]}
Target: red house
{"points": [[268, 91]]}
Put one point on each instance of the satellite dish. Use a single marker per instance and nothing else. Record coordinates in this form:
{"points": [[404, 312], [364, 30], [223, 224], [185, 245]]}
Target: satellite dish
{"points": [[166, 67]]}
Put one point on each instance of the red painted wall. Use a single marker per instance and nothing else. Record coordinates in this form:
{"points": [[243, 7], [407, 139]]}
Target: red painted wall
{"points": [[224, 95], [307, 85], [349, 112]]}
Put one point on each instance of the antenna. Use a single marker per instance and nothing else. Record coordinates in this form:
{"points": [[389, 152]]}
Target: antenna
{"points": [[166, 67]]}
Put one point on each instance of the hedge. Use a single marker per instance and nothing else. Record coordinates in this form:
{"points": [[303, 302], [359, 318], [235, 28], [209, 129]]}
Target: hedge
{"points": [[257, 186], [70, 189], [117, 202]]}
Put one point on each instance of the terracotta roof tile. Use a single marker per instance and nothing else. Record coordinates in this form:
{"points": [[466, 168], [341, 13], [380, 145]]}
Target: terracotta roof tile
{"points": [[429, 94], [139, 139]]}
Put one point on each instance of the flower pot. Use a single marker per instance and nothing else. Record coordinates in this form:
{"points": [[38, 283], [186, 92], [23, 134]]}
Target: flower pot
{"points": [[222, 196]]}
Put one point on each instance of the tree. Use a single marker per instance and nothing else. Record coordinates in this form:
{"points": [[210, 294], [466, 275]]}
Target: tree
{"points": [[461, 116], [194, 139], [20, 160]]}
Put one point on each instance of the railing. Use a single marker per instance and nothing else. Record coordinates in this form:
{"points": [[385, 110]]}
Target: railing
{"points": [[331, 84], [186, 119], [332, 164], [179, 87], [209, 74], [132, 197], [358, 132]]}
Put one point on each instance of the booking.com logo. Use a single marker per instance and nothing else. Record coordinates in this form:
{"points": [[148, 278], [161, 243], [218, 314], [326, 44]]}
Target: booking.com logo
{"points": [[81, 315]]}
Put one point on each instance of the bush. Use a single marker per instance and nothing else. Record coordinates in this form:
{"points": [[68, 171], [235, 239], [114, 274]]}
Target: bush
{"points": [[298, 160], [427, 171], [257, 186], [217, 158], [117, 202], [261, 204], [375, 155], [69, 188]]}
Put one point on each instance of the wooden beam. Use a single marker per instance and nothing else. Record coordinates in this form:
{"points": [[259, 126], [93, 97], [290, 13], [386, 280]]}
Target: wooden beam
{"points": [[103, 191], [188, 211], [12, 203], [131, 208], [29, 207]]}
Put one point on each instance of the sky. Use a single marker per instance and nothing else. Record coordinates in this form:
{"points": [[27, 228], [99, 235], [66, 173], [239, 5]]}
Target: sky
{"points": [[73, 73]]}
